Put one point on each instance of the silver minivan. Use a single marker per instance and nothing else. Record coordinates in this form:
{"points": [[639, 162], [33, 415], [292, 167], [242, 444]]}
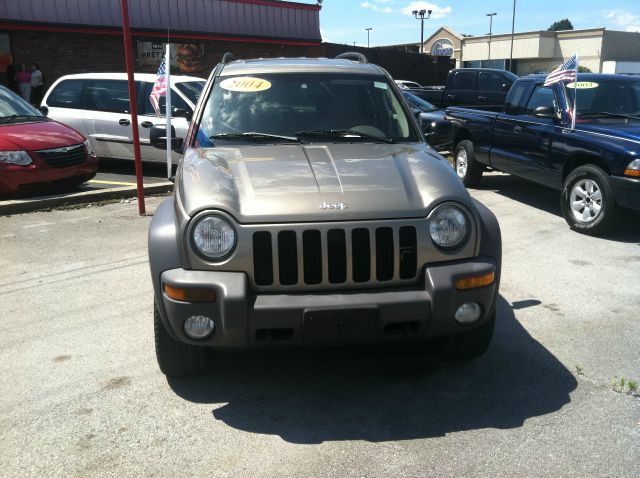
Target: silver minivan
{"points": [[97, 105]]}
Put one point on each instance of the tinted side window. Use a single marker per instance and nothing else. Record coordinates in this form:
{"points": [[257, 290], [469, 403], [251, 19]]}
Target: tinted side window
{"points": [[107, 95], [515, 99], [542, 96], [147, 107], [492, 82], [67, 94], [463, 80]]}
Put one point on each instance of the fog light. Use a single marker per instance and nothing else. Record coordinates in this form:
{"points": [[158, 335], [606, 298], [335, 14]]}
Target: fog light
{"points": [[198, 326], [468, 313]]}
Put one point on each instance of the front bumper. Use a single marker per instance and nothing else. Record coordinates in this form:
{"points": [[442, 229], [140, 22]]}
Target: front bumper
{"points": [[626, 191], [245, 319], [39, 176]]}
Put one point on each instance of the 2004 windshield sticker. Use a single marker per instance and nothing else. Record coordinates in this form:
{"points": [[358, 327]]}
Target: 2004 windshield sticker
{"points": [[245, 84]]}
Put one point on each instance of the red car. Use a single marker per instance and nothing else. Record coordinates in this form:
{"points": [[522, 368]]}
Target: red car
{"points": [[37, 153]]}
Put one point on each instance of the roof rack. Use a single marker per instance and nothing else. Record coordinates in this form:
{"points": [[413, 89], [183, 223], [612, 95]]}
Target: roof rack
{"points": [[228, 57], [353, 56]]}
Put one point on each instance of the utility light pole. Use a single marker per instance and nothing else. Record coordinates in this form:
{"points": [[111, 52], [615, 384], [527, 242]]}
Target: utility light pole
{"points": [[490, 15], [420, 15], [513, 26], [368, 30]]}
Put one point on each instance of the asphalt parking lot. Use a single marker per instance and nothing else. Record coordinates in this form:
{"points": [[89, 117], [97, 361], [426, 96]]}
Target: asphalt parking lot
{"points": [[82, 394]]}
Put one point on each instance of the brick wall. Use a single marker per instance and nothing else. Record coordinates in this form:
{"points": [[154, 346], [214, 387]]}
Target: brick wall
{"points": [[61, 54]]}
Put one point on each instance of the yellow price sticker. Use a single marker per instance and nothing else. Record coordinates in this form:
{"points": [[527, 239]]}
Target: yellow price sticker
{"points": [[245, 84], [583, 85]]}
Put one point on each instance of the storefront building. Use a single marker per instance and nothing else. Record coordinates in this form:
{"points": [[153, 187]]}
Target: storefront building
{"points": [[542, 51], [600, 50], [445, 42], [73, 36]]}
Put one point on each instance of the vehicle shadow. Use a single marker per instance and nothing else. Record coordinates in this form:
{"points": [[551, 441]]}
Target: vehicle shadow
{"points": [[384, 394], [548, 200]]}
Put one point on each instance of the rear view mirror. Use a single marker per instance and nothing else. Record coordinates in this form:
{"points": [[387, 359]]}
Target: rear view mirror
{"points": [[44, 110], [545, 112], [506, 87], [158, 138], [181, 113]]}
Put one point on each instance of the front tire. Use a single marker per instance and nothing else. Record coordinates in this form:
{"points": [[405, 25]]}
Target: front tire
{"points": [[469, 345], [175, 359], [587, 200], [467, 168]]}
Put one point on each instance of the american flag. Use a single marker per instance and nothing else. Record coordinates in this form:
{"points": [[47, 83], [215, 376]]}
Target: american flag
{"points": [[566, 71], [159, 87]]}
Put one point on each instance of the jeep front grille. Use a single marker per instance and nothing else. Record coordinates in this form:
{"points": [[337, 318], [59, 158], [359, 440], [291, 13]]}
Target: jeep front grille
{"points": [[63, 157], [360, 255]]}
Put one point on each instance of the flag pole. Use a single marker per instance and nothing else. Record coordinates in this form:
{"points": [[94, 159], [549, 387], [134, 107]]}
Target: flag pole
{"points": [[575, 96], [168, 108], [126, 31]]}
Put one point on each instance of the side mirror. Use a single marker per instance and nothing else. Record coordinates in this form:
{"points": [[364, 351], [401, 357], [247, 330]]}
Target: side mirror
{"points": [[44, 110], [548, 112], [181, 113], [158, 138], [416, 112]]}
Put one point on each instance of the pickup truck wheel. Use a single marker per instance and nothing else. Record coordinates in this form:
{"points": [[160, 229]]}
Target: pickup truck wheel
{"points": [[175, 358], [468, 345], [587, 200], [467, 168]]}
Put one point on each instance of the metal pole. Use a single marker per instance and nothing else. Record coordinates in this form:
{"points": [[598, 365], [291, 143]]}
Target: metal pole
{"points": [[422, 34], [513, 25], [368, 30], [167, 109], [490, 15], [128, 54]]}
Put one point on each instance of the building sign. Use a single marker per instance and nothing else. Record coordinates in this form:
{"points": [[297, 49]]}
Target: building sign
{"points": [[5, 53], [442, 47], [186, 58]]}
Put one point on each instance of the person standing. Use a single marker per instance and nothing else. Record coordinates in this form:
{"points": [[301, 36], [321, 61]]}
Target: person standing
{"points": [[10, 79], [24, 81], [37, 85]]}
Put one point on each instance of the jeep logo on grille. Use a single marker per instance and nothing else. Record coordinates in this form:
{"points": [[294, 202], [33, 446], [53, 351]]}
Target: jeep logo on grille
{"points": [[333, 205]]}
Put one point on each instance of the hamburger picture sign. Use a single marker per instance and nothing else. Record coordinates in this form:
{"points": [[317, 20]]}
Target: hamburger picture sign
{"points": [[186, 58]]}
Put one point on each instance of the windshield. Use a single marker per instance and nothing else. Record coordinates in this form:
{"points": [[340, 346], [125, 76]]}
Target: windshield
{"points": [[610, 99], [305, 106], [14, 109], [419, 103], [191, 89]]}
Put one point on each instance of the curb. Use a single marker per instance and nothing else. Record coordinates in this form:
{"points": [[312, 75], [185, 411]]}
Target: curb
{"points": [[19, 206]]}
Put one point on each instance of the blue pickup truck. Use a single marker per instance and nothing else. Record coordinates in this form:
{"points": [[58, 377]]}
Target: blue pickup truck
{"points": [[596, 166]]}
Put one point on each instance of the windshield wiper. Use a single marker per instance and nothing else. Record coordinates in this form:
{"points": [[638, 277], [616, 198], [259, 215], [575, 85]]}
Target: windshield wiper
{"points": [[12, 118], [254, 135], [606, 113], [340, 133]]}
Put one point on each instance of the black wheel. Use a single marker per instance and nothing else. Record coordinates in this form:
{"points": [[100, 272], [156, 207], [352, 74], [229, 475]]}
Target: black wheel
{"points": [[467, 168], [468, 345], [175, 358], [587, 200]]}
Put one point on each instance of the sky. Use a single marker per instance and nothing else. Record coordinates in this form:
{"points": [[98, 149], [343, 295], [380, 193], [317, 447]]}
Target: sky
{"points": [[344, 21]]}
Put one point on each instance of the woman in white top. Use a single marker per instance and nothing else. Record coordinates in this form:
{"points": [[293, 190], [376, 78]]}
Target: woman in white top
{"points": [[37, 85]]}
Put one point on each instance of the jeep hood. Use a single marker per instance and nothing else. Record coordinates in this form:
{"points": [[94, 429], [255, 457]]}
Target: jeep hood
{"points": [[285, 183]]}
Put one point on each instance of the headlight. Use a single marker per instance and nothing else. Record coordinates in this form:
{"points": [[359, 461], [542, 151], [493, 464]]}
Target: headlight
{"points": [[214, 237], [633, 169], [20, 158], [89, 148], [448, 226]]}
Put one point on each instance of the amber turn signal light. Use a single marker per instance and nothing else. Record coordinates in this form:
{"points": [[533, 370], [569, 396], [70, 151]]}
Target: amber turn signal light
{"points": [[474, 282], [635, 173], [189, 295]]}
